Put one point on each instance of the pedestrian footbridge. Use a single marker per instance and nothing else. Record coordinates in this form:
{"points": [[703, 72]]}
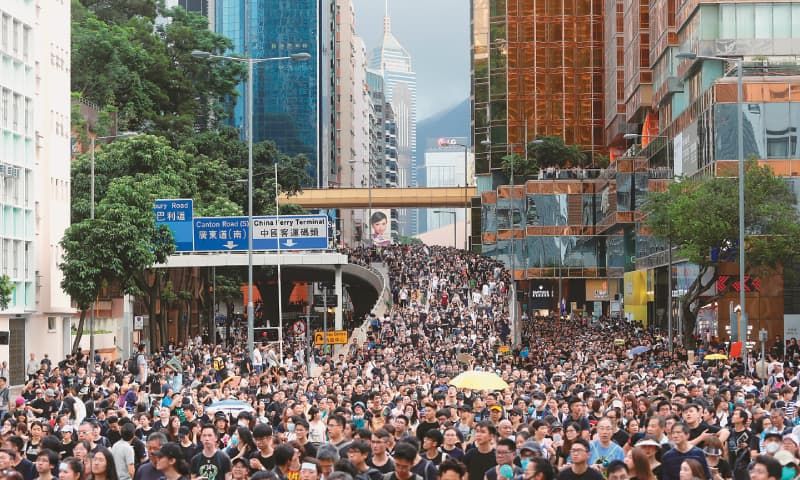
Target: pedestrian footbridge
{"points": [[417, 197]]}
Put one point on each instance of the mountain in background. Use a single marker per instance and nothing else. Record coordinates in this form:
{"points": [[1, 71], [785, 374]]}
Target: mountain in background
{"points": [[453, 122]]}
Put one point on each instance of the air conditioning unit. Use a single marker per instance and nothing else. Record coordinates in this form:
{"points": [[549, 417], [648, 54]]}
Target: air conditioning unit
{"points": [[14, 171]]}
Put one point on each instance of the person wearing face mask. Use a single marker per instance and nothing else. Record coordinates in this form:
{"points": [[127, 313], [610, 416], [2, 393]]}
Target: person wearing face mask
{"points": [[538, 468], [358, 415], [789, 465], [538, 408], [772, 443]]}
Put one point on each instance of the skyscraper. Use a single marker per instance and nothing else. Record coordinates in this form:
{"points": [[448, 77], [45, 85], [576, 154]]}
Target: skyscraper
{"points": [[286, 99], [393, 61]]}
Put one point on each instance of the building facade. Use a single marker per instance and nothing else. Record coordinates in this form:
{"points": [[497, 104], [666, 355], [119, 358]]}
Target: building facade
{"points": [[445, 165], [286, 95], [35, 171], [394, 63], [537, 69]]}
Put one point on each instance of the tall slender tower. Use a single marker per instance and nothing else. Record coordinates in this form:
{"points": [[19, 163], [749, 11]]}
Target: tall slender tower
{"points": [[393, 61]]}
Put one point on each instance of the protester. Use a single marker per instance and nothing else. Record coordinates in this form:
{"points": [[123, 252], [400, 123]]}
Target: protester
{"points": [[382, 408]]}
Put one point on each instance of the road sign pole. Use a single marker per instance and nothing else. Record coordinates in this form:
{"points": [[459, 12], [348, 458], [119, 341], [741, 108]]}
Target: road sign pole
{"points": [[308, 341], [325, 321]]}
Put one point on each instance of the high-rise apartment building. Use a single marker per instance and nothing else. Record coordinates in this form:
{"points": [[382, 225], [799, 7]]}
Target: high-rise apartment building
{"points": [[287, 96], [35, 174], [537, 69], [394, 63]]}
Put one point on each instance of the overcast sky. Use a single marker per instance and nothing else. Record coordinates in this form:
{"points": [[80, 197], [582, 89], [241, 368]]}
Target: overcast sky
{"points": [[436, 34]]}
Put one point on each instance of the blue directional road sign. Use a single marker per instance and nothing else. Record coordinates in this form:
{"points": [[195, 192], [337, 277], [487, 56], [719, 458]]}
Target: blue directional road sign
{"points": [[212, 234], [177, 215], [296, 232]]}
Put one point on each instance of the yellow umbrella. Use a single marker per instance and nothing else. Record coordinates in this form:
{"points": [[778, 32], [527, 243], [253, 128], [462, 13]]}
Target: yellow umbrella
{"points": [[479, 381], [716, 356]]}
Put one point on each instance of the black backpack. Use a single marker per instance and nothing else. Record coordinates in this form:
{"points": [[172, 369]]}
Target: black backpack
{"points": [[133, 364]]}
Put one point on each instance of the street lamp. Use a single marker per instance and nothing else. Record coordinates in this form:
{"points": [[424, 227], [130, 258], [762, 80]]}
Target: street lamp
{"points": [[91, 217], [634, 136], [517, 333], [455, 224], [295, 57], [740, 144]]}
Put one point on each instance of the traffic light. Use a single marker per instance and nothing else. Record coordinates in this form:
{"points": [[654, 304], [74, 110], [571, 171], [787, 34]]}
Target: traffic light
{"points": [[264, 334]]}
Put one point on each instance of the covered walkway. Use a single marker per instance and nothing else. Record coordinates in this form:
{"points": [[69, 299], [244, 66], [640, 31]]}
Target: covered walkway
{"points": [[418, 197]]}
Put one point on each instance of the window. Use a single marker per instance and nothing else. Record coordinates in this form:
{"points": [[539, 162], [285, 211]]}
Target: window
{"points": [[51, 324]]}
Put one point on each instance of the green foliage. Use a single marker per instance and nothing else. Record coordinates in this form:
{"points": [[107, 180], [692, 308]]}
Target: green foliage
{"points": [[121, 58], [700, 216], [119, 11], [6, 291], [553, 152], [602, 161], [522, 166]]}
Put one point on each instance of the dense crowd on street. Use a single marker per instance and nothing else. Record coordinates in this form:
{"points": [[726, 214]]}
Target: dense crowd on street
{"points": [[580, 404]]}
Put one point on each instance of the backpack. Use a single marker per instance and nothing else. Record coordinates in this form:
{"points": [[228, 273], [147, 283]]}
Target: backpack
{"points": [[133, 364]]}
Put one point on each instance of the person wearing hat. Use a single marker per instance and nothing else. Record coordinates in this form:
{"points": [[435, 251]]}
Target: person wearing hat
{"points": [[772, 443], [788, 463], [650, 446], [170, 462], [720, 468], [189, 448], [67, 433], [790, 443], [45, 407], [240, 468]]}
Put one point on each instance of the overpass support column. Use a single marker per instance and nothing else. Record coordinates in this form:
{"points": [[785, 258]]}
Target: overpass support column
{"points": [[338, 318]]}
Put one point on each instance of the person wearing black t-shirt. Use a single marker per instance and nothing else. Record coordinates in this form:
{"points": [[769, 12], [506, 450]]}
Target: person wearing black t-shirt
{"points": [[211, 463], [481, 457], [580, 469], [263, 457], [428, 422]]}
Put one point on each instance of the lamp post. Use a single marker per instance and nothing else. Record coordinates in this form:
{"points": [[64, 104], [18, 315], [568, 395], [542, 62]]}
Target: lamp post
{"points": [[633, 136], [295, 57], [740, 145], [91, 217], [455, 225], [512, 309]]}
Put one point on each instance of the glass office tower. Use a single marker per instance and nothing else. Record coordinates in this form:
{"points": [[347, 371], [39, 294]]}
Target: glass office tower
{"points": [[285, 95]]}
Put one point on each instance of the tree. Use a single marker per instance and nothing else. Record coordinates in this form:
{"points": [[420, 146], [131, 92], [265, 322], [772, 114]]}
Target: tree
{"points": [[122, 58], [522, 166], [700, 216], [551, 151], [6, 291]]}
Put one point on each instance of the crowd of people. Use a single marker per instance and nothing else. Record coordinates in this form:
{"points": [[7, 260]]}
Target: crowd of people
{"points": [[579, 404]]}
